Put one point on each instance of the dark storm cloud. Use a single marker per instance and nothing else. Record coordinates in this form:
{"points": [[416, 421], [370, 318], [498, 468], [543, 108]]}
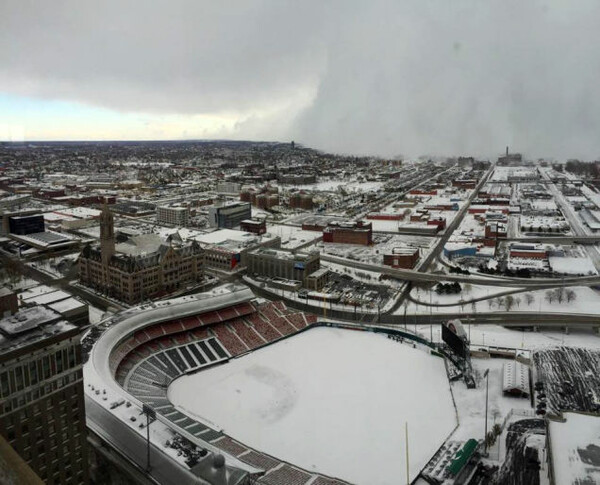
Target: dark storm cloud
{"points": [[396, 77]]}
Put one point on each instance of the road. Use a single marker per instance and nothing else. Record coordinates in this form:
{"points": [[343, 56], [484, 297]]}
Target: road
{"points": [[455, 222], [506, 319], [577, 225], [416, 276]]}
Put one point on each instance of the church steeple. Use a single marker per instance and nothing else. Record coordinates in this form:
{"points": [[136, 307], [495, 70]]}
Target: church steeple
{"points": [[107, 235]]}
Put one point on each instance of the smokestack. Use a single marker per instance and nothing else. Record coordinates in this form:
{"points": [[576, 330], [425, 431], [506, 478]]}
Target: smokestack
{"points": [[507, 151]]}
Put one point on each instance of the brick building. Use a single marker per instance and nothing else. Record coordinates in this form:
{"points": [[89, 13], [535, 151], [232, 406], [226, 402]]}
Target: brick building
{"points": [[142, 267], [9, 304], [404, 258], [255, 226], [349, 233]]}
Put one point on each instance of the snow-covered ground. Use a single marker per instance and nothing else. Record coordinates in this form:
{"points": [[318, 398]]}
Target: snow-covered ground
{"points": [[497, 336], [349, 186], [96, 315], [587, 300], [469, 292], [471, 402], [574, 449], [332, 401]]}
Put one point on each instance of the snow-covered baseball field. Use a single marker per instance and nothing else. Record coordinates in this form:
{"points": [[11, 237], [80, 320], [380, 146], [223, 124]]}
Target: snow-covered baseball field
{"points": [[332, 401]]}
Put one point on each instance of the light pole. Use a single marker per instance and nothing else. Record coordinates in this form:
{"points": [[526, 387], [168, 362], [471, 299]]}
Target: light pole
{"points": [[486, 375], [430, 315]]}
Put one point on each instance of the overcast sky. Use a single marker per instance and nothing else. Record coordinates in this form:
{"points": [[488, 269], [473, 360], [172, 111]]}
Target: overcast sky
{"points": [[369, 77]]}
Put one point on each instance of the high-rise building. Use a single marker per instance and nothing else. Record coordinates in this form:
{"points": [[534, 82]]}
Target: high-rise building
{"points": [[22, 225], [42, 413]]}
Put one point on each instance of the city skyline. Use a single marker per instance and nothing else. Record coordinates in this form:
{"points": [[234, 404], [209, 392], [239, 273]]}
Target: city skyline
{"points": [[385, 79]]}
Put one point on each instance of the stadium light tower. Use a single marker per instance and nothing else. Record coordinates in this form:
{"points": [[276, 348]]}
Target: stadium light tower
{"points": [[150, 418], [486, 375]]}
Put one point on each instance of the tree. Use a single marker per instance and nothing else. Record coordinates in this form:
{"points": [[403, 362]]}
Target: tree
{"points": [[549, 296], [560, 294], [490, 303], [509, 302], [570, 295], [529, 299], [518, 301]]}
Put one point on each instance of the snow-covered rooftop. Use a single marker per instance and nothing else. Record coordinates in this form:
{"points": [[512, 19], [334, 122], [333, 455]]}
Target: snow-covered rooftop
{"points": [[575, 447]]}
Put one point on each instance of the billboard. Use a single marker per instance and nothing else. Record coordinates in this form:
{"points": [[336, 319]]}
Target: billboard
{"points": [[454, 335]]}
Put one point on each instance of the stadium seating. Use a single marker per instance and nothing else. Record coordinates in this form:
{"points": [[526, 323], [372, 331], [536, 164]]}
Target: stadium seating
{"points": [[286, 474], [268, 331], [230, 340], [149, 360], [247, 334]]}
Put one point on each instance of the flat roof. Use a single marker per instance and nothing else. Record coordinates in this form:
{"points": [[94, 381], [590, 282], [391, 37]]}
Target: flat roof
{"points": [[223, 235], [30, 325], [46, 298]]}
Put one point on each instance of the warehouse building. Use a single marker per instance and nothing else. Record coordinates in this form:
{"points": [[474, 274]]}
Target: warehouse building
{"points": [[349, 233]]}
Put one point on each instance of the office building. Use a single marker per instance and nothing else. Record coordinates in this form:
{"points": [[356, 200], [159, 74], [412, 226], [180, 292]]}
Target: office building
{"points": [[274, 263], [229, 215], [22, 225], [42, 412], [173, 215]]}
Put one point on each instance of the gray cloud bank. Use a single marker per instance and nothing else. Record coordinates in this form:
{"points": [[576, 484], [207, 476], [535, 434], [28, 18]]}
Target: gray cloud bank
{"points": [[395, 77]]}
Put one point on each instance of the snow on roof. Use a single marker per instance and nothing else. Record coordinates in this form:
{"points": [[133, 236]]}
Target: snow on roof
{"points": [[79, 212], [51, 297], [575, 447], [223, 235], [140, 244], [515, 377], [66, 305], [36, 291]]}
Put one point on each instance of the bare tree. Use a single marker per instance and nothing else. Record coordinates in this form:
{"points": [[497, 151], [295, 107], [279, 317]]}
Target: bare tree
{"points": [[518, 301], [509, 303], [560, 294], [529, 299], [549, 296], [570, 295]]}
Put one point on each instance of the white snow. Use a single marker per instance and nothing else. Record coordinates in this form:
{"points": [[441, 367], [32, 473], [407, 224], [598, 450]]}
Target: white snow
{"points": [[586, 301], [568, 441], [330, 400]]}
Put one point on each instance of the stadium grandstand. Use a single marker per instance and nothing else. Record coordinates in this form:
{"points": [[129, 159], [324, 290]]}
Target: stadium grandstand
{"points": [[134, 356]]}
